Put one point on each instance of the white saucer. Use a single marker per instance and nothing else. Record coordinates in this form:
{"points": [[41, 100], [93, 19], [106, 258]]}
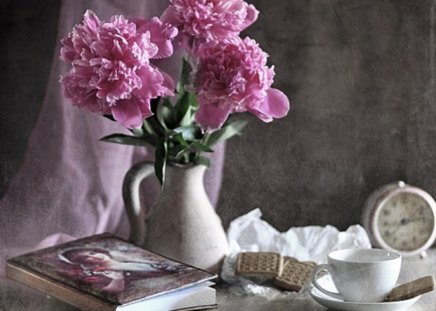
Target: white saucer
{"points": [[337, 304]]}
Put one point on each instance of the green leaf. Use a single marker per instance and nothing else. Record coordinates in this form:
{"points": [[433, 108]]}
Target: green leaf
{"points": [[138, 132], [181, 153], [147, 128], [152, 125], [128, 140], [171, 113], [203, 161], [161, 154], [182, 108], [167, 103], [227, 131], [156, 127], [186, 103], [180, 139], [186, 107], [190, 107], [184, 77], [201, 147], [163, 113], [189, 132]]}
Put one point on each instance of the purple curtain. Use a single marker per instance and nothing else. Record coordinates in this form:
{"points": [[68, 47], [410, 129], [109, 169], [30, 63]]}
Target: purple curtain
{"points": [[69, 184]]}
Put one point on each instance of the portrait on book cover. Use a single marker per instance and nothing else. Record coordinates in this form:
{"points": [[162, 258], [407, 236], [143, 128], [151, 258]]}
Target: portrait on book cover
{"points": [[112, 269]]}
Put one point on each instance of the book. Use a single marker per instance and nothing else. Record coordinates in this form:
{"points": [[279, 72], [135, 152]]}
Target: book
{"points": [[104, 272]]}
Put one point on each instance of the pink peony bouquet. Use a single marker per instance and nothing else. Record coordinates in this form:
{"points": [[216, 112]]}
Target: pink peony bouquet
{"points": [[113, 72]]}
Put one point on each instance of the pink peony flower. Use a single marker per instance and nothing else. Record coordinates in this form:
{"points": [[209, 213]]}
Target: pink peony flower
{"points": [[208, 20], [233, 76], [111, 71]]}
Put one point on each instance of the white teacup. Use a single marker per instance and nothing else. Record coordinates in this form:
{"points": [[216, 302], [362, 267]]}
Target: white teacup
{"points": [[360, 275]]}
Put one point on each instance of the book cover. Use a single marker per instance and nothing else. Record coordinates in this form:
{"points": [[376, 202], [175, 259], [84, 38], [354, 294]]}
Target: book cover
{"points": [[103, 270]]}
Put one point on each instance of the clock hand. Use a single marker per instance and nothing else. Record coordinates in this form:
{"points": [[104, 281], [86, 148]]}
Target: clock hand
{"points": [[405, 221]]}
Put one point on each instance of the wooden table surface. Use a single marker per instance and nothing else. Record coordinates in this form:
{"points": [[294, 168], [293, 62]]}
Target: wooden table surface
{"points": [[17, 297]]}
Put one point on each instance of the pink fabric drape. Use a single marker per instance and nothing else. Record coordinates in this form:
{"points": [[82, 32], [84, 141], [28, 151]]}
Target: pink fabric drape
{"points": [[69, 184]]}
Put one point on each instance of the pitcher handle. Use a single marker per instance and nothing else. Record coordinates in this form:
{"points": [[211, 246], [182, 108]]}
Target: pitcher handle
{"points": [[132, 202]]}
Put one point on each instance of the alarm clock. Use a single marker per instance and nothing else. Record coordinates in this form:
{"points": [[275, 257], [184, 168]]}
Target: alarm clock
{"points": [[400, 218]]}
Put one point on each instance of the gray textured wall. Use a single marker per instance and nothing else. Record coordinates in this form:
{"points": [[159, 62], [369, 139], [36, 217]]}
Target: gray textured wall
{"points": [[360, 75]]}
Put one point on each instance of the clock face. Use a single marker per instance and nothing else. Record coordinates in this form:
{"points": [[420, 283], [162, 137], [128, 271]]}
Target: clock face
{"points": [[405, 221]]}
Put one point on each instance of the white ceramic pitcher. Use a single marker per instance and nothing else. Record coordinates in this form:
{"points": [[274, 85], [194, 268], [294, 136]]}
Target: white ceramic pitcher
{"points": [[182, 224]]}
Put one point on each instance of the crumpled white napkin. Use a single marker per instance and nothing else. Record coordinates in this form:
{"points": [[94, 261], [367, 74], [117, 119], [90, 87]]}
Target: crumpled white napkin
{"points": [[250, 233]]}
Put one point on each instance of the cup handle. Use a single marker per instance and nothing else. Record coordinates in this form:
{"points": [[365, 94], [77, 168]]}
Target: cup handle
{"points": [[314, 278]]}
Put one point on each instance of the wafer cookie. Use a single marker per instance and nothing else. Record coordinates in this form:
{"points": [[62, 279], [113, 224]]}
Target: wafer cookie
{"points": [[294, 274], [259, 264], [411, 289]]}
